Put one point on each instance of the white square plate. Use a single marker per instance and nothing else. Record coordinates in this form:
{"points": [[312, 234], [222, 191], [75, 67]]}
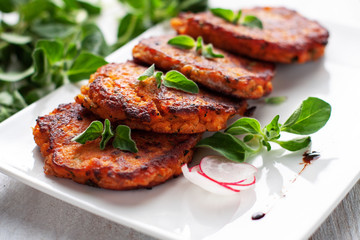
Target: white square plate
{"points": [[180, 210]]}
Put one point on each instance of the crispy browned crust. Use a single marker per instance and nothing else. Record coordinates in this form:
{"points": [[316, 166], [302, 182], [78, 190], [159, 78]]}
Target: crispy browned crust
{"points": [[231, 75], [114, 92], [159, 158], [286, 35]]}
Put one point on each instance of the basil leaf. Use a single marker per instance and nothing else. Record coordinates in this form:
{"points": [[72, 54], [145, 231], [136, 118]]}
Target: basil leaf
{"points": [[147, 73], [31, 9], [130, 26], [225, 14], [18, 100], [309, 118], [182, 41], [84, 65], [237, 17], [199, 45], [158, 78], [123, 139], [93, 40], [248, 138], [272, 130], [54, 30], [89, 7], [295, 144], [92, 132], [106, 135], [15, 76], [6, 98], [15, 38], [209, 53], [227, 145], [244, 125], [54, 49], [267, 145], [252, 21], [6, 6], [71, 51], [275, 100], [42, 68], [174, 79]]}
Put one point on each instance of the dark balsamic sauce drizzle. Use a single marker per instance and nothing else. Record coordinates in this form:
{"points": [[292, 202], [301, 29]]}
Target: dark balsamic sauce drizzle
{"points": [[308, 157], [257, 216]]}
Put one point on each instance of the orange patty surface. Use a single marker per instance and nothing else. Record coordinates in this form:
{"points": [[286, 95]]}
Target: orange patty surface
{"points": [[231, 75], [115, 93], [159, 158], [286, 36]]}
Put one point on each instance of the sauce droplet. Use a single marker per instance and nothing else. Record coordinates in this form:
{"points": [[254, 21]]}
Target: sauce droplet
{"points": [[257, 216], [310, 156]]}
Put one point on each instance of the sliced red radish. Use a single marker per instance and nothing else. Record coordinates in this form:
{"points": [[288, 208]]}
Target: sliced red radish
{"points": [[223, 170], [204, 183], [218, 175]]}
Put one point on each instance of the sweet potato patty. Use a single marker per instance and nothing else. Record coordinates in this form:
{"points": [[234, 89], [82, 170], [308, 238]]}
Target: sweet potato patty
{"points": [[159, 158], [286, 35], [114, 92], [231, 75]]}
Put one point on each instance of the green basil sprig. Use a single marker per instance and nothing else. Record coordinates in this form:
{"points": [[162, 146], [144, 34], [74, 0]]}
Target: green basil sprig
{"points": [[122, 139], [172, 79], [309, 118], [230, 16], [275, 100], [187, 42]]}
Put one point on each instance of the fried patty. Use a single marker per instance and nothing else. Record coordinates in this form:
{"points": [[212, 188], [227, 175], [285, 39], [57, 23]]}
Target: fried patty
{"points": [[159, 158], [286, 35], [231, 75], [114, 92]]}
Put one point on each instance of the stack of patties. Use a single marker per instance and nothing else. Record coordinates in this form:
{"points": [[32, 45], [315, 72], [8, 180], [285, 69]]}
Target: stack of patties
{"points": [[166, 123]]}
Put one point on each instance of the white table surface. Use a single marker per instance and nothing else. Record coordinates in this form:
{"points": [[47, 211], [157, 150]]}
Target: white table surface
{"points": [[26, 213]]}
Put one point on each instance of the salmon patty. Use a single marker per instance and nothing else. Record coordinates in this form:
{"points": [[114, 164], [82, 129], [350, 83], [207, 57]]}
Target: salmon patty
{"points": [[286, 36], [159, 158], [231, 75], [115, 93]]}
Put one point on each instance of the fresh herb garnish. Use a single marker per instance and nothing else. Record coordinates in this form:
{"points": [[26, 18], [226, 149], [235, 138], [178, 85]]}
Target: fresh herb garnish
{"points": [[122, 139], [141, 15], [147, 73], [55, 42], [229, 16], [225, 14], [106, 135], [275, 100], [172, 79], [182, 41], [252, 21], [46, 48], [310, 117], [187, 42]]}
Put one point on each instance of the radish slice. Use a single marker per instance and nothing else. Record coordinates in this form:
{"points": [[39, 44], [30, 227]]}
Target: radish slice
{"points": [[243, 177], [222, 170], [204, 183]]}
